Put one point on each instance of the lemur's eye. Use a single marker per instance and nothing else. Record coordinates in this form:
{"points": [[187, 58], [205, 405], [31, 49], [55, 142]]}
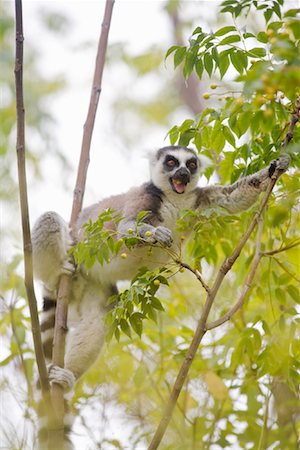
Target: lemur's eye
{"points": [[170, 163], [192, 165]]}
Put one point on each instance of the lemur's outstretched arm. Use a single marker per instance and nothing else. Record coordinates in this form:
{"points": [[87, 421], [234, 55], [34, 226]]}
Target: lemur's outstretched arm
{"points": [[243, 193]]}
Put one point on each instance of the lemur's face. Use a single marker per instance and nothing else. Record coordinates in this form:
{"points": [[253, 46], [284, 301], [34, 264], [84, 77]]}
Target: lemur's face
{"points": [[175, 169]]}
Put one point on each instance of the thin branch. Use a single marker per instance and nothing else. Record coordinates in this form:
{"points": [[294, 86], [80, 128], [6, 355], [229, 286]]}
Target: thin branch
{"points": [[241, 300], [195, 272], [202, 323], [294, 119], [27, 247], [56, 436], [282, 249]]}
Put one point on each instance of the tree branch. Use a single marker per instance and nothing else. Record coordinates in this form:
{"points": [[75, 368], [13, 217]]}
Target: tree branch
{"points": [[56, 435], [212, 292], [240, 302], [195, 272], [27, 247]]}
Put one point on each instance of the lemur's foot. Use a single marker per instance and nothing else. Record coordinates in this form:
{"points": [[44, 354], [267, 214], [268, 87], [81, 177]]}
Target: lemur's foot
{"points": [[64, 377], [282, 163], [68, 267]]}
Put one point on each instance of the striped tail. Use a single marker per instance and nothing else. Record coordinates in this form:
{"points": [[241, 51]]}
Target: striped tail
{"points": [[43, 427]]}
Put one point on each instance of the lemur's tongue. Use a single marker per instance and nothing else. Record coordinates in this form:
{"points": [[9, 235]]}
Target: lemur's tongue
{"points": [[179, 186]]}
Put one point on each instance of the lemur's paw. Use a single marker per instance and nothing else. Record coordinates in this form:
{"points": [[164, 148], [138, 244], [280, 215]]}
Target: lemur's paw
{"points": [[68, 267], [64, 377], [163, 235], [282, 163]]}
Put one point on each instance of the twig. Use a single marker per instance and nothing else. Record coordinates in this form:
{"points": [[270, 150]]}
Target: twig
{"points": [[27, 247], [202, 323], [240, 302], [195, 272], [56, 436], [282, 249], [294, 119]]}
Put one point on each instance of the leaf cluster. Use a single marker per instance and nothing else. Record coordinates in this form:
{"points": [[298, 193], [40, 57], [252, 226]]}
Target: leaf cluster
{"points": [[98, 242], [259, 106], [136, 303], [232, 47]]}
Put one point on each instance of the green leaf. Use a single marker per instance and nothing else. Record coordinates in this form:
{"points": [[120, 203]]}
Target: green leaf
{"points": [[223, 63], [117, 334], [224, 30], [136, 323], [125, 327], [228, 135], [257, 52], [268, 14], [238, 61], [155, 302], [173, 134], [230, 39], [292, 12], [197, 30], [190, 60], [276, 9], [171, 50], [293, 292], [179, 56], [208, 63], [262, 37], [198, 141], [199, 68]]}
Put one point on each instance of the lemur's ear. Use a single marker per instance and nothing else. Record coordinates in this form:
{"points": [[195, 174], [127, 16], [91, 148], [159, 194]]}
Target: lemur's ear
{"points": [[204, 162]]}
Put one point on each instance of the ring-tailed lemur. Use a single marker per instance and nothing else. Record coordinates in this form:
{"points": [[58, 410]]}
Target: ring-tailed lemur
{"points": [[173, 186]]}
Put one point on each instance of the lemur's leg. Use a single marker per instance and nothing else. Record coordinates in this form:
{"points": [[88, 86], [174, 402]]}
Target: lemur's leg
{"points": [[50, 244], [85, 338], [242, 194]]}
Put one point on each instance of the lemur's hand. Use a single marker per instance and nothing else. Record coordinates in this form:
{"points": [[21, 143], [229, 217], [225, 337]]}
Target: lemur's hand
{"points": [[282, 163], [64, 377], [151, 234]]}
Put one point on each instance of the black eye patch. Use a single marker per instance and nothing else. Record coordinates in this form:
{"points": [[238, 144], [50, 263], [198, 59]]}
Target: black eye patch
{"points": [[192, 165], [170, 162]]}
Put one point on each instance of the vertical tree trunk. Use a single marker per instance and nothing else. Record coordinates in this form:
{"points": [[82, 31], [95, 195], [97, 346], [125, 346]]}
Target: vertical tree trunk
{"points": [[56, 436]]}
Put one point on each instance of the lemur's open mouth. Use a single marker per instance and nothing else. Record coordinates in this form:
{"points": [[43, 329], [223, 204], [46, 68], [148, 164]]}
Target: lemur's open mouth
{"points": [[178, 186]]}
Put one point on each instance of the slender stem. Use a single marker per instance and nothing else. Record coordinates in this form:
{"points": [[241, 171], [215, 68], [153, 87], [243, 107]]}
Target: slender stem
{"points": [[56, 435], [27, 247], [241, 300], [195, 272]]}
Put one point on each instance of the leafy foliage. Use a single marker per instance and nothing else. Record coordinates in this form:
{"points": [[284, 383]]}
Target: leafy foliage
{"points": [[260, 108], [136, 303]]}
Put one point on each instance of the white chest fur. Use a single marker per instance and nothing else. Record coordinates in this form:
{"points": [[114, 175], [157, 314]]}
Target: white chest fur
{"points": [[172, 207]]}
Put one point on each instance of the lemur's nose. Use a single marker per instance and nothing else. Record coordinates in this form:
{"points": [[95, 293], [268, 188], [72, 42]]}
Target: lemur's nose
{"points": [[183, 175]]}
